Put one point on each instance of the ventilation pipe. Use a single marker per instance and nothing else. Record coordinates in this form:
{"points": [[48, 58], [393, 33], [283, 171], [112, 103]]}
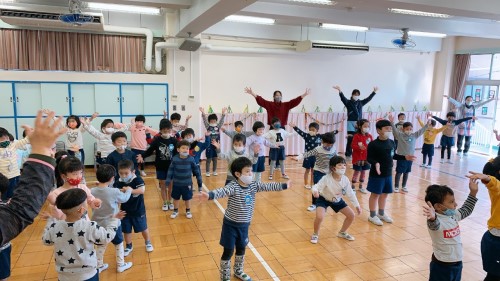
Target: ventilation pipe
{"points": [[158, 47]]}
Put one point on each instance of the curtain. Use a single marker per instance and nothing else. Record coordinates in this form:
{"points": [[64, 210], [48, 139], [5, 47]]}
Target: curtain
{"points": [[460, 75], [70, 51]]}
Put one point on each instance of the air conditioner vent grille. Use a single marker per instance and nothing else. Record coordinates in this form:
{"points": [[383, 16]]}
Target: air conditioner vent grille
{"points": [[37, 15]]}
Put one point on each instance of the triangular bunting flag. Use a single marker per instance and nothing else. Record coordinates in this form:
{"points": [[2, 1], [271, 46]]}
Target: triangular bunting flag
{"points": [[330, 109], [229, 110], [260, 110], [245, 110], [210, 110], [317, 109], [303, 109]]}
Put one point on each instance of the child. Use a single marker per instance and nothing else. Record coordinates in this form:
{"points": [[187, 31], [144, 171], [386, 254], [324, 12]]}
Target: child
{"points": [[399, 125], [196, 146], [134, 207], [277, 136], [8, 160], [329, 192], [70, 174], [119, 140], [177, 128], [498, 139], [448, 137], [214, 128], [23, 154], [238, 129], [110, 198], [239, 212], [164, 145], [442, 222], [429, 139], [257, 139], [490, 243], [180, 172], [323, 154], [74, 238], [238, 150], [407, 139], [360, 165], [5, 249], [138, 142]]}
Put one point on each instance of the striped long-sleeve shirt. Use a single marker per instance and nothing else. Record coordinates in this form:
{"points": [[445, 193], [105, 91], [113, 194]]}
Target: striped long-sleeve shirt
{"points": [[241, 201], [310, 140], [181, 171], [323, 157]]}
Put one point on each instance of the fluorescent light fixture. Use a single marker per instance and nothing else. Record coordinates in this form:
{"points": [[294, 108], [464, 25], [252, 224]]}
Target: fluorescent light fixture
{"points": [[418, 13], [247, 19], [321, 2], [124, 8], [426, 34], [6, 1], [343, 27]]}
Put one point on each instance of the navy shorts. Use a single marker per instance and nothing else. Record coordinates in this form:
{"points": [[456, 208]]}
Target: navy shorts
{"points": [[447, 141], [186, 192], [449, 272], [317, 175], [490, 253], [361, 166], [138, 223], [309, 162], [403, 166], [95, 278], [100, 160], [259, 167], [379, 185], [161, 174], [118, 237], [13, 182], [211, 151], [277, 153], [5, 262], [428, 149], [233, 235], [336, 206]]}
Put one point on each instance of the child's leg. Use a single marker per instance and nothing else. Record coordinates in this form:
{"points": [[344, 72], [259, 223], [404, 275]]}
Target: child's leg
{"points": [[396, 180], [188, 205], [282, 167], [225, 264], [443, 148], [312, 174], [119, 252], [164, 191], [405, 179], [99, 251], [214, 161], [430, 160], [362, 178], [169, 192], [349, 218], [355, 177], [372, 203], [467, 144], [207, 167], [306, 176], [176, 205], [145, 235], [239, 260], [320, 215], [128, 238], [448, 150], [5, 263], [381, 203], [424, 158], [271, 169]]}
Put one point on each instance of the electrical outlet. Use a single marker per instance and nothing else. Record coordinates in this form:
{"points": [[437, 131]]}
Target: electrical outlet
{"points": [[174, 107], [183, 107]]}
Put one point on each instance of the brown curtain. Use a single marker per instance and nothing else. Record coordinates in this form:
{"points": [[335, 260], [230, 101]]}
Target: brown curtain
{"points": [[70, 51], [460, 75]]}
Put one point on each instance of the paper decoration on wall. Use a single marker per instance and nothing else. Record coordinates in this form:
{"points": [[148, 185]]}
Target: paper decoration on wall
{"points": [[392, 109], [303, 109], [210, 109], [484, 111], [379, 108], [246, 109], [260, 110], [330, 109], [424, 108], [229, 110], [317, 109], [369, 110], [415, 108], [402, 108]]}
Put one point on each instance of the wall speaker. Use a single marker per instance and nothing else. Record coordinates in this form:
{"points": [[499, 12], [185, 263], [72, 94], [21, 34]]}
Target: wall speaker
{"points": [[190, 44]]}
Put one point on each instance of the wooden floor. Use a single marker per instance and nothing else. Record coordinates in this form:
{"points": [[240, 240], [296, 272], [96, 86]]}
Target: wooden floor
{"points": [[188, 249]]}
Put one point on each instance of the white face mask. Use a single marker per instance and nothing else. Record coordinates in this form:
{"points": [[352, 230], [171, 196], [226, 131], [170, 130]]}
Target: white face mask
{"points": [[468, 102], [387, 134], [213, 124], [121, 147], [166, 136], [312, 133], [366, 130], [408, 133], [355, 98], [340, 172], [246, 179], [190, 140], [109, 130], [239, 149]]}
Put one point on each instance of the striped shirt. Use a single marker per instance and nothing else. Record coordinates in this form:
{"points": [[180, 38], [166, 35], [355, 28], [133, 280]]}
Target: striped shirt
{"points": [[323, 157], [181, 171], [241, 201]]}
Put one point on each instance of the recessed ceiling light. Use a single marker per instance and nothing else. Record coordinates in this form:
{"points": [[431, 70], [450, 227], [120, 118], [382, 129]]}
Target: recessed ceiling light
{"points": [[343, 27], [418, 13], [322, 2], [248, 19], [124, 8], [426, 34]]}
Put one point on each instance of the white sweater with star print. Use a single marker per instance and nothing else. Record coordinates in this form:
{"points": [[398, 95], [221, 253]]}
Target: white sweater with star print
{"points": [[74, 246]]}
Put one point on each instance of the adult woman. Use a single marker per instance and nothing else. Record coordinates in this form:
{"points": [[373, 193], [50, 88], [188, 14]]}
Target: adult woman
{"points": [[354, 113]]}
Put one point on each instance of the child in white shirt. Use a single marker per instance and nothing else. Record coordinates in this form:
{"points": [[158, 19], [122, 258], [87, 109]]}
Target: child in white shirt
{"points": [[277, 136], [8, 160]]}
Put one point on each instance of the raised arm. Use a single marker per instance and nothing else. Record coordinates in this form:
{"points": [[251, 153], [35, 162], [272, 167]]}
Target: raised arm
{"points": [[421, 131], [370, 97], [92, 131], [454, 101], [441, 121], [272, 186], [222, 117], [204, 118], [222, 192], [463, 120], [299, 131], [341, 95]]}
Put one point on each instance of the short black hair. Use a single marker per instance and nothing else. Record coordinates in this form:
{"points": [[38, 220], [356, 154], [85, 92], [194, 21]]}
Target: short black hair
{"points": [[67, 164], [11, 137], [105, 122], [74, 117], [105, 173], [165, 124], [407, 124], [314, 125], [257, 125], [4, 184], [433, 122], [117, 135], [188, 131], [492, 168], [24, 133], [140, 118], [382, 123], [355, 92], [360, 123], [71, 198], [238, 165], [183, 143], [3, 132], [126, 164], [175, 117], [240, 137], [275, 119], [451, 114], [436, 193], [336, 160], [212, 116], [238, 123], [60, 155], [277, 92], [468, 97], [401, 114], [328, 138]]}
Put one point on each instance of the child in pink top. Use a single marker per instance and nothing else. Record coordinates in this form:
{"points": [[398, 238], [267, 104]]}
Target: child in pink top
{"points": [[138, 143]]}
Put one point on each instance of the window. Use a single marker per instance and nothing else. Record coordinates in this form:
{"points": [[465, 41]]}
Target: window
{"points": [[480, 67]]}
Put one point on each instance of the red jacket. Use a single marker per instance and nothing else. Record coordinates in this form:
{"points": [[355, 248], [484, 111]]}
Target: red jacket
{"points": [[278, 109], [359, 154]]}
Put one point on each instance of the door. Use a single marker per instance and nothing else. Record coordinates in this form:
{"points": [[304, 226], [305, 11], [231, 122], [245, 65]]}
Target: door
{"points": [[83, 99], [155, 99], [28, 99], [132, 100], [107, 99], [55, 96], [9, 125], [6, 100]]}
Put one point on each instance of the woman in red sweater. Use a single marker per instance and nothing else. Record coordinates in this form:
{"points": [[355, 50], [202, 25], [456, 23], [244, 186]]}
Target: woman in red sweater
{"points": [[359, 145]]}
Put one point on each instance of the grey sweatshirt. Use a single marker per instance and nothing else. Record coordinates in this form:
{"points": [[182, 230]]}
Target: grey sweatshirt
{"points": [[110, 198], [406, 143]]}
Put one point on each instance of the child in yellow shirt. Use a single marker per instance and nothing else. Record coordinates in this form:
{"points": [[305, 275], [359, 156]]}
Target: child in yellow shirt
{"points": [[429, 139]]}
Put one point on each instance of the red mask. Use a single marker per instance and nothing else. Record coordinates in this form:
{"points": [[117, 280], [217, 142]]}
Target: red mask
{"points": [[74, 182]]}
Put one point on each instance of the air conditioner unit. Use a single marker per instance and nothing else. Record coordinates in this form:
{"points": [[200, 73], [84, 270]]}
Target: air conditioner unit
{"points": [[304, 46], [47, 18]]}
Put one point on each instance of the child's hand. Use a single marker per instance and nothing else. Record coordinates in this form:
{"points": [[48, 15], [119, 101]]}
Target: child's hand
{"points": [[45, 215], [203, 196], [359, 210], [164, 114], [46, 132], [474, 118], [429, 115], [473, 187], [315, 193], [28, 129], [222, 129], [479, 176], [202, 110], [139, 158], [375, 89], [446, 96], [410, 157], [126, 188], [208, 133], [256, 148], [97, 203], [377, 168], [216, 144], [224, 110], [249, 91], [429, 211], [306, 93], [390, 117], [94, 116], [291, 124], [120, 215], [188, 117], [495, 132], [337, 88]]}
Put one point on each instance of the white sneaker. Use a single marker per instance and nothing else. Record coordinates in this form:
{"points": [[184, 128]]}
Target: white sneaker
{"points": [[396, 189], [345, 235], [354, 190], [404, 189], [127, 251], [428, 166], [143, 174], [314, 238], [242, 276], [174, 215], [103, 267], [375, 220], [385, 218], [423, 165], [207, 174], [363, 190], [442, 161], [215, 174], [449, 161], [465, 154], [189, 215], [307, 186], [171, 206], [164, 207], [123, 267], [149, 248], [311, 208]]}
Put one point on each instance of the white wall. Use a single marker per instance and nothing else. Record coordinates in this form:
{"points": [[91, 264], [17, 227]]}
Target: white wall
{"points": [[473, 45], [404, 78]]}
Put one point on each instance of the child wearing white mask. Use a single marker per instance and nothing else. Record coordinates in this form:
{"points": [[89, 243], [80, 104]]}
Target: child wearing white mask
{"points": [[329, 191], [277, 136], [213, 127], [360, 143]]}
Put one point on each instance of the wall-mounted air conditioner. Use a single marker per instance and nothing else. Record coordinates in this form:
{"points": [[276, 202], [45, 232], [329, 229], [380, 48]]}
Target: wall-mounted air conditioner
{"points": [[306, 45]]}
